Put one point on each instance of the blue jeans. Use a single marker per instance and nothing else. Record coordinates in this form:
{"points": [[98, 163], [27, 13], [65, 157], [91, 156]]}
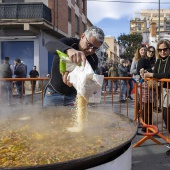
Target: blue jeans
{"points": [[130, 87], [52, 98], [123, 90], [19, 88], [115, 85]]}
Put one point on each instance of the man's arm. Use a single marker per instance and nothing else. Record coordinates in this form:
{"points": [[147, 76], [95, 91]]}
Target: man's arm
{"points": [[74, 55], [133, 69], [52, 46]]}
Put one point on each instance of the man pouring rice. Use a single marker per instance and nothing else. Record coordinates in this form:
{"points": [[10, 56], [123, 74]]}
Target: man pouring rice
{"points": [[59, 90]]}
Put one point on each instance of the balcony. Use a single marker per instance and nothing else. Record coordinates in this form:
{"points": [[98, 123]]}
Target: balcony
{"points": [[33, 11]]}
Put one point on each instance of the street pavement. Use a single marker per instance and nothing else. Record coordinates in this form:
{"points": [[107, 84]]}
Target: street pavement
{"points": [[149, 155]]}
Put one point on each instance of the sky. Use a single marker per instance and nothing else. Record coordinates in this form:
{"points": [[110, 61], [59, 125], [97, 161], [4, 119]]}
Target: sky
{"points": [[114, 17]]}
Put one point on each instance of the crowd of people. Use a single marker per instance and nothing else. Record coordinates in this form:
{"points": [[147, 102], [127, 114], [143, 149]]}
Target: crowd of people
{"points": [[121, 69], [148, 62], [18, 70]]}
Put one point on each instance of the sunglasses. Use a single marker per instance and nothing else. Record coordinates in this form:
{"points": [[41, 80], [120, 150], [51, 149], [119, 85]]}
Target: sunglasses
{"points": [[151, 51], [90, 45], [163, 49]]}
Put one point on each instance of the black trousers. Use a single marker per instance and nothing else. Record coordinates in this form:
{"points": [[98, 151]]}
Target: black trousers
{"points": [[166, 117], [147, 111]]}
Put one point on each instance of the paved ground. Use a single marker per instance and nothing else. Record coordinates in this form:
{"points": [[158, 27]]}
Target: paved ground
{"points": [[148, 156]]}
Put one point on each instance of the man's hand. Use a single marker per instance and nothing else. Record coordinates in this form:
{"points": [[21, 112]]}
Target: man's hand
{"points": [[142, 72], [76, 56], [65, 79], [148, 75]]}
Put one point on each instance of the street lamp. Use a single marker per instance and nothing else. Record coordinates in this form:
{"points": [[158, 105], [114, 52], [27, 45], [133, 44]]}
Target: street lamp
{"points": [[147, 30], [159, 20]]}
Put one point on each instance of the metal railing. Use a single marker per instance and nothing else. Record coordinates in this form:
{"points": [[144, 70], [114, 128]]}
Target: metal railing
{"points": [[24, 92], [25, 11]]}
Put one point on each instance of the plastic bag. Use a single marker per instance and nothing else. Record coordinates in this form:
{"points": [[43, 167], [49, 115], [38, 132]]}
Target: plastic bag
{"points": [[87, 83], [65, 63]]}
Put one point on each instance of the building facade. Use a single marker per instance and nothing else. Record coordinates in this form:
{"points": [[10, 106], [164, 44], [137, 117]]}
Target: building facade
{"points": [[154, 25], [113, 50], [27, 25]]}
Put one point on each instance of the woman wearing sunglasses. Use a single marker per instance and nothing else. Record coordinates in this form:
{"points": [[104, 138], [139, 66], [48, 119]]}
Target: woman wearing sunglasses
{"points": [[140, 53], [162, 70], [151, 55], [147, 63]]}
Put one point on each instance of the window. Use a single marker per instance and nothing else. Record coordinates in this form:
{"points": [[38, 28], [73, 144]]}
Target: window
{"points": [[69, 14], [12, 1], [83, 27], [139, 26], [167, 22], [167, 27], [83, 7], [76, 24], [76, 1]]}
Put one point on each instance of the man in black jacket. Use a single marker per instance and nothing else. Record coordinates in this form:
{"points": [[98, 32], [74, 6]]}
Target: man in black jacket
{"points": [[6, 71], [104, 71], [33, 74], [59, 91], [19, 72]]}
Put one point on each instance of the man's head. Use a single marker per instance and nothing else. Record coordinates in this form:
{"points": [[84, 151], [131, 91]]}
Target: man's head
{"points": [[122, 61], [17, 61], [91, 40], [34, 67], [6, 59], [103, 64]]}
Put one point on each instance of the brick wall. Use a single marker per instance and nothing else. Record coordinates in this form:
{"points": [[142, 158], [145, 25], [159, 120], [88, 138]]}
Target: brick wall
{"points": [[60, 15]]}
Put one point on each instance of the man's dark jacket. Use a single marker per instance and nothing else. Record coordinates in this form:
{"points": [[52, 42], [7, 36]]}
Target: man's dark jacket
{"points": [[56, 82]]}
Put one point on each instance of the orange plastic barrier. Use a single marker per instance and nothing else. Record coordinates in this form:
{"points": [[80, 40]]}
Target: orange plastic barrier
{"points": [[151, 99]]}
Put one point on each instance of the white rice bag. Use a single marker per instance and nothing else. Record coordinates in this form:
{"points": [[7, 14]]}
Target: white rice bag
{"points": [[87, 83]]}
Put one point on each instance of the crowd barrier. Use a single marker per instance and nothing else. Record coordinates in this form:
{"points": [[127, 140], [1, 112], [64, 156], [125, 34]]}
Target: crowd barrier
{"points": [[28, 90]]}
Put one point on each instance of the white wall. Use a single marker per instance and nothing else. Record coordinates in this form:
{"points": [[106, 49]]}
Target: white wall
{"points": [[44, 1]]}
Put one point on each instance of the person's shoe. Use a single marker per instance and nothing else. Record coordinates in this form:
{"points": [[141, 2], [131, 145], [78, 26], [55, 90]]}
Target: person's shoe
{"points": [[143, 129], [122, 101], [159, 109], [130, 98], [168, 152], [168, 146]]}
